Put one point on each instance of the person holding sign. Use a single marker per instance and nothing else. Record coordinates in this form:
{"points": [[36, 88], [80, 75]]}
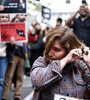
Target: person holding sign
{"points": [[3, 54], [16, 60], [62, 70]]}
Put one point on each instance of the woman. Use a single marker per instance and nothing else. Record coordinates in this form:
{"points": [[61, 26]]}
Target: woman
{"points": [[16, 63], [58, 72], [36, 45], [4, 18]]}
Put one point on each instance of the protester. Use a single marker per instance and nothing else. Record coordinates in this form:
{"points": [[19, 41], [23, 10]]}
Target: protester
{"points": [[59, 21], [36, 45], [61, 69], [45, 32], [13, 85], [21, 17], [16, 63], [32, 37], [3, 55], [81, 25], [15, 19]]}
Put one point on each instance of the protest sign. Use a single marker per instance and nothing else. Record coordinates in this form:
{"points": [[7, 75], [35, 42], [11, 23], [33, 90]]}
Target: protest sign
{"points": [[61, 97], [17, 30], [45, 15], [13, 6]]}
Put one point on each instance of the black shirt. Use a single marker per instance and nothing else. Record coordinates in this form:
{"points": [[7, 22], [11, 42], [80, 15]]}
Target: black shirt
{"points": [[82, 30]]}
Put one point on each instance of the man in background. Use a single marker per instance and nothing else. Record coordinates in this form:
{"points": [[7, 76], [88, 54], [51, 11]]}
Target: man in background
{"points": [[59, 21], [81, 24]]}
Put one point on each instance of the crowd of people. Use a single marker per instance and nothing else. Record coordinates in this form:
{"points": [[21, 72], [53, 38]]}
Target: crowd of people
{"points": [[13, 55], [59, 58], [11, 59]]}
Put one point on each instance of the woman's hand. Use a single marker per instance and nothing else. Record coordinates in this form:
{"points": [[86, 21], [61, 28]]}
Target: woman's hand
{"points": [[72, 56], [86, 56]]}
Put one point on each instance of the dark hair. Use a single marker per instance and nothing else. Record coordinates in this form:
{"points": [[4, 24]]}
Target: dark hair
{"points": [[13, 20], [59, 19], [84, 2]]}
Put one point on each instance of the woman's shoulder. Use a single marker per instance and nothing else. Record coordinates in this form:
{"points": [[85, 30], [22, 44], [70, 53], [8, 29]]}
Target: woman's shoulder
{"points": [[39, 62]]}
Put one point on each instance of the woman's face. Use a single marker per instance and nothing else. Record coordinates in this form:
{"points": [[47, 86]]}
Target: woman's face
{"points": [[22, 17], [4, 18], [57, 52]]}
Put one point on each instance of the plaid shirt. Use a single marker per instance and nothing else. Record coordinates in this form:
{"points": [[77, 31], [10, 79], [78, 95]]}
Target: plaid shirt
{"points": [[48, 78]]}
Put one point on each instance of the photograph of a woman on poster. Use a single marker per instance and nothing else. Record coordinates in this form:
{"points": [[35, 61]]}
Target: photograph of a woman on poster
{"points": [[22, 3], [12, 6]]}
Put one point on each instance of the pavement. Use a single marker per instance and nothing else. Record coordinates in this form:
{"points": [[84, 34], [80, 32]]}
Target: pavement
{"points": [[27, 90]]}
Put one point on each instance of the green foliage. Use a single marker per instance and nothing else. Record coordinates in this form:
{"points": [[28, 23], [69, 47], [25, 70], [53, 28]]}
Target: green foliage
{"points": [[37, 6]]}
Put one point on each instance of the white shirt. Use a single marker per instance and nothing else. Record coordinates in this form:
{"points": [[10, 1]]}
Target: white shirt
{"points": [[2, 50]]}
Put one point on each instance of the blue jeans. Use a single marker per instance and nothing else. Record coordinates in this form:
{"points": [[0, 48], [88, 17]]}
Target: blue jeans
{"points": [[3, 66]]}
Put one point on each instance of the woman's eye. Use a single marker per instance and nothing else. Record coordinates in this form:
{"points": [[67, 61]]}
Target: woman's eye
{"points": [[2, 17], [56, 49]]}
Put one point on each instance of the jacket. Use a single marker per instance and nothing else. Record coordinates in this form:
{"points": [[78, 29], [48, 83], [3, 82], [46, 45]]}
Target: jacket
{"points": [[48, 79]]}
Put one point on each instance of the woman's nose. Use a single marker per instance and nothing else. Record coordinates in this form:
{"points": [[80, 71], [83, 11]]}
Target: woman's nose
{"points": [[51, 54]]}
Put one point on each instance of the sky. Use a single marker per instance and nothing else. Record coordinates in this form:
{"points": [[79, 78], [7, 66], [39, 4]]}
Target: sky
{"points": [[58, 6], [61, 6]]}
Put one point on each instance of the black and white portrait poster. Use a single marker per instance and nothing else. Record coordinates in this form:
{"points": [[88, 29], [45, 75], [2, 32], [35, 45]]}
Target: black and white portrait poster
{"points": [[13, 6], [45, 14]]}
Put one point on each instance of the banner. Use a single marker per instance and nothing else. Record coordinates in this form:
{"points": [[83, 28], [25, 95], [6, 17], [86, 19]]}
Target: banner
{"points": [[13, 6], [45, 15], [17, 30], [61, 97]]}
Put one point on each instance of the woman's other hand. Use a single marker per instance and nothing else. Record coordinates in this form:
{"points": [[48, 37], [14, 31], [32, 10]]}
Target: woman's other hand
{"points": [[86, 56]]}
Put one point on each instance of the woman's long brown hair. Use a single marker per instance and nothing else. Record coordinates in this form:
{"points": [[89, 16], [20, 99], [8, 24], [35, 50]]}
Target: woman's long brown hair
{"points": [[66, 38]]}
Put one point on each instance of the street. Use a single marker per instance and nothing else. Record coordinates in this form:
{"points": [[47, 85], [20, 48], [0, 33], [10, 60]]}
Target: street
{"points": [[27, 90]]}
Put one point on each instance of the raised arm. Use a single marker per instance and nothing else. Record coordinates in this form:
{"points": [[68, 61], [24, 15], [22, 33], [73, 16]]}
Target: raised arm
{"points": [[69, 22], [43, 75]]}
